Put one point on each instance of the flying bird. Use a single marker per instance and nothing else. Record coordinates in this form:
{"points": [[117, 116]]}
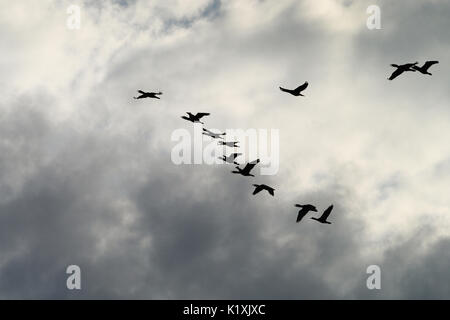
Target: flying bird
{"points": [[213, 135], [305, 208], [247, 169], [424, 69], [261, 187], [231, 158], [195, 118], [232, 144], [148, 95], [402, 68], [297, 91], [324, 216]]}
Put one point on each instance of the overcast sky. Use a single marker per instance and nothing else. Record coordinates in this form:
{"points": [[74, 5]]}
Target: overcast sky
{"points": [[86, 176]]}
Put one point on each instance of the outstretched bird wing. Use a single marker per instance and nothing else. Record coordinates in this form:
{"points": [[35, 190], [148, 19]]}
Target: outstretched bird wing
{"points": [[257, 189], [396, 73], [248, 167], [201, 114], [302, 87], [301, 214], [326, 213], [429, 64]]}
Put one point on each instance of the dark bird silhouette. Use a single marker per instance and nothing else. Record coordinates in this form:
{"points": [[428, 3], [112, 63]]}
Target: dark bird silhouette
{"points": [[261, 187], [213, 135], [148, 95], [424, 69], [297, 91], [305, 208], [247, 169], [324, 216], [232, 144], [195, 118], [402, 68], [231, 158]]}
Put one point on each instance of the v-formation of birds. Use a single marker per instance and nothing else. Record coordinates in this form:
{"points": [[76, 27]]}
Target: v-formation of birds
{"points": [[246, 171]]}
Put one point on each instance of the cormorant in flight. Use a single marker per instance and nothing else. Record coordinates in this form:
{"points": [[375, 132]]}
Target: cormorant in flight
{"points": [[402, 68], [424, 69], [305, 208], [232, 144], [213, 135], [231, 158], [148, 95], [261, 187], [247, 169], [297, 91], [195, 118], [324, 216]]}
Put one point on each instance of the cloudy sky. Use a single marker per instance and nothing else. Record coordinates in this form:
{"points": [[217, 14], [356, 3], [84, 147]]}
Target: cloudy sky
{"points": [[86, 176]]}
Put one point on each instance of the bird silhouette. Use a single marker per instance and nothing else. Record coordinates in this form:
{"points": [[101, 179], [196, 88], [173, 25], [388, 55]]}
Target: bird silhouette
{"points": [[261, 187], [247, 169], [402, 68], [232, 144], [297, 91], [195, 118], [231, 158], [148, 95], [213, 135], [324, 216], [424, 69], [305, 208]]}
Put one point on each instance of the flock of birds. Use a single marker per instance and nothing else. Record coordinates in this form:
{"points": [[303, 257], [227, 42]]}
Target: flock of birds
{"points": [[246, 170]]}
